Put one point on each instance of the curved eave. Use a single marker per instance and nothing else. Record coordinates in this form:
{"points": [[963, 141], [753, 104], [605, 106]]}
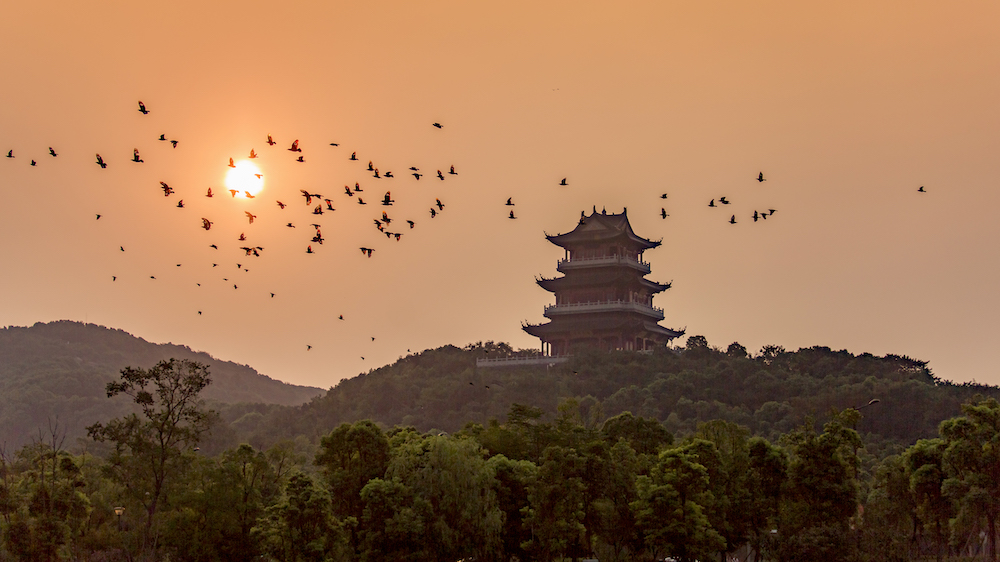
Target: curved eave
{"points": [[562, 283], [610, 227]]}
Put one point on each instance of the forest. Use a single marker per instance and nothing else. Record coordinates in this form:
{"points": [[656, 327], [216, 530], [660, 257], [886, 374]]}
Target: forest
{"points": [[696, 453]]}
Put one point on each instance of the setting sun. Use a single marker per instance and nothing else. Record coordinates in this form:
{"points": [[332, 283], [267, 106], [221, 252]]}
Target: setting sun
{"points": [[245, 177]]}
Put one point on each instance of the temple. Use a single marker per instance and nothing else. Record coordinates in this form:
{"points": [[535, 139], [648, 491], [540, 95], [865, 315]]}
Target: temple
{"points": [[603, 298]]}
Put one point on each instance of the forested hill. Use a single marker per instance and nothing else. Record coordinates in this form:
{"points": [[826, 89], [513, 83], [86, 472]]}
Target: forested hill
{"points": [[770, 393], [59, 370]]}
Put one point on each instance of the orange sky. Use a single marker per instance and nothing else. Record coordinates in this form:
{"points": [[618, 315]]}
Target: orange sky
{"points": [[847, 108]]}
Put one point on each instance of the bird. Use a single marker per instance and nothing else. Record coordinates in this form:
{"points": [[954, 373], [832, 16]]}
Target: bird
{"points": [[371, 167], [231, 165], [100, 161], [373, 338], [233, 192], [348, 191], [52, 152], [199, 313], [386, 218], [250, 216], [723, 201], [760, 177], [663, 213], [440, 175], [180, 204], [663, 196], [376, 174], [452, 171], [318, 210], [272, 295], [10, 154], [414, 168], [98, 217], [433, 212], [206, 228], [770, 211], [122, 248], [388, 174], [167, 190], [209, 194], [248, 195], [341, 317], [163, 137], [334, 144], [300, 159], [416, 175], [114, 278], [309, 196], [509, 203], [361, 201], [259, 176], [367, 251], [921, 189], [309, 249], [357, 187], [755, 216], [386, 200], [142, 108], [290, 225], [243, 236], [295, 146], [270, 141], [252, 154], [135, 155], [438, 125], [280, 204], [439, 204], [33, 163], [174, 143], [308, 347], [354, 156], [152, 277], [732, 219], [563, 182], [711, 203], [512, 214], [411, 223]]}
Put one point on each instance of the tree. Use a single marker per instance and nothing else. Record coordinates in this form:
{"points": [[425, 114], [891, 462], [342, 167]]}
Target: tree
{"points": [[925, 465], [149, 449]]}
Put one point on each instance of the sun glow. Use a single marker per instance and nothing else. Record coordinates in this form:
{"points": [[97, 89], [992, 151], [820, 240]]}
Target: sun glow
{"points": [[245, 177]]}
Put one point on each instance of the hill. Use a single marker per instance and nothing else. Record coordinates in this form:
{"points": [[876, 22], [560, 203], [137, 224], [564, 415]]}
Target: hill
{"points": [[58, 371], [770, 393]]}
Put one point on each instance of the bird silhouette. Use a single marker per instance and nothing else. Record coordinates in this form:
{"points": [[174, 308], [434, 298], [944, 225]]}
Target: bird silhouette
{"points": [[663, 213], [732, 219], [98, 217], [233, 192], [663, 196], [248, 195], [290, 225], [334, 144], [300, 159], [163, 137], [173, 143], [357, 187], [167, 190], [354, 156], [711, 203], [142, 108], [52, 152], [309, 250], [361, 201], [318, 210], [921, 189], [452, 171], [135, 155], [388, 174], [376, 174], [433, 212], [563, 182], [270, 141], [386, 200], [272, 295], [440, 175], [439, 204], [250, 216], [243, 236], [209, 194], [33, 163], [231, 165], [309, 196], [348, 191], [411, 223], [760, 177], [209, 226], [416, 175], [414, 168], [122, 248], [438, 125], [252, 154], [280, 204], [100, 161], [308, 347], [509, 203], [295, 146], [180, 204], [770, 211], [10, 154], [371, 167], [367, 251], [723, 201], [341, 317], [386, 218], [114, 278], [511, 216]]}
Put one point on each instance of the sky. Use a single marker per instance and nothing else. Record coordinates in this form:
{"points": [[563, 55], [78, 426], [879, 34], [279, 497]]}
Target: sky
{"points": [[846, 107]]}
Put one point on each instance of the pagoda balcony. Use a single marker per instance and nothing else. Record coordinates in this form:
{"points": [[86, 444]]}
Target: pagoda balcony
{"points": [[603, 306], [576, 263]]}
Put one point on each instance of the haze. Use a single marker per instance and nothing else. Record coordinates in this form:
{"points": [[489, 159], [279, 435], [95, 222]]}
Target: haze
{"points": [[847, 108]]}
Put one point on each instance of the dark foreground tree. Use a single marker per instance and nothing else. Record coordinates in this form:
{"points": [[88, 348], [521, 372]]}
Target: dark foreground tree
{"points": [[149, 449]]}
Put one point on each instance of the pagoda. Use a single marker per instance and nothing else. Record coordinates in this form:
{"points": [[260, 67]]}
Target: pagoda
{"points": [[603, 299]]}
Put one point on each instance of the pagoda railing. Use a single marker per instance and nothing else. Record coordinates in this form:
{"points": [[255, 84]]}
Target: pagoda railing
{"points": [[521, 361], [564, 264], [603, 306]]}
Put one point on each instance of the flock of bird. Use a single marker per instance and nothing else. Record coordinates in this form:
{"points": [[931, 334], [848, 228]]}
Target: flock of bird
{"points": [[382, 221]]}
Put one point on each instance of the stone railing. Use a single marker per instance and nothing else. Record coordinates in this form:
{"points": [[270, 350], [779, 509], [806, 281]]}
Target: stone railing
{"points": [[574, 263], [603, 306]]}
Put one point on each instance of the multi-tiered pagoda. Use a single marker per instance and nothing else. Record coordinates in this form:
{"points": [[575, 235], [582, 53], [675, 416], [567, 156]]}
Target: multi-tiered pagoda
{"points": [[603, 298]]}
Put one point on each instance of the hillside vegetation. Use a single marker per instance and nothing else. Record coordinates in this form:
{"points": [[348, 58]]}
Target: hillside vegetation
{"points": [[59, 370]]}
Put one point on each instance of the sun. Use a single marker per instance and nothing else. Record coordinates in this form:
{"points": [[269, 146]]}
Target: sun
{"points": [[245, 177]]}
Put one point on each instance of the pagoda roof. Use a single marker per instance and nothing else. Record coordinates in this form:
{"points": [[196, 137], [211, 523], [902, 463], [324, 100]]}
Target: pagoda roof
{"points": [[583, 325], [600, 277], [602, 227]]}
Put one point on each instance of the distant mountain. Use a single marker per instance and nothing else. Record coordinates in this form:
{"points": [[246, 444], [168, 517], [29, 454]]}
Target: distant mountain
{"points": [[57, 371]]}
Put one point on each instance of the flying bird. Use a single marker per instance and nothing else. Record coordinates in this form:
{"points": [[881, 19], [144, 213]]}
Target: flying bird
{"points": [[411, 223], [318, 210], [243, 236], [357, 187], [300, 159], [438, 125], [416, 175], [563, 182], [100, 161], [33, 163], [711, 203], [452, 171], [252, 154], [309, 249], [354, 156], [371, 168], [663, 196], [386, 200], [270, 141], [367, 251], [174, 143], [433, 212], [135, 155], [233, 192], [509, 203], [98, 217], [376, 174], [163, 137], [290, 225], [439, 204], [52, 152], [231, 165], [348, 191], [663, 213], [760, 177], [329, 205], [386, 218], [10, 154], [755, 216], [295, 146], [732, 219], [180, 204], [209, 226], [512, 214], [248, 195], [167, 190], [388, 174], [142, 108], [440, 175], [361, 201], [280, 204], [334, 144], [723, 201], [921, 189], [250, 216], [209, 194]]}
